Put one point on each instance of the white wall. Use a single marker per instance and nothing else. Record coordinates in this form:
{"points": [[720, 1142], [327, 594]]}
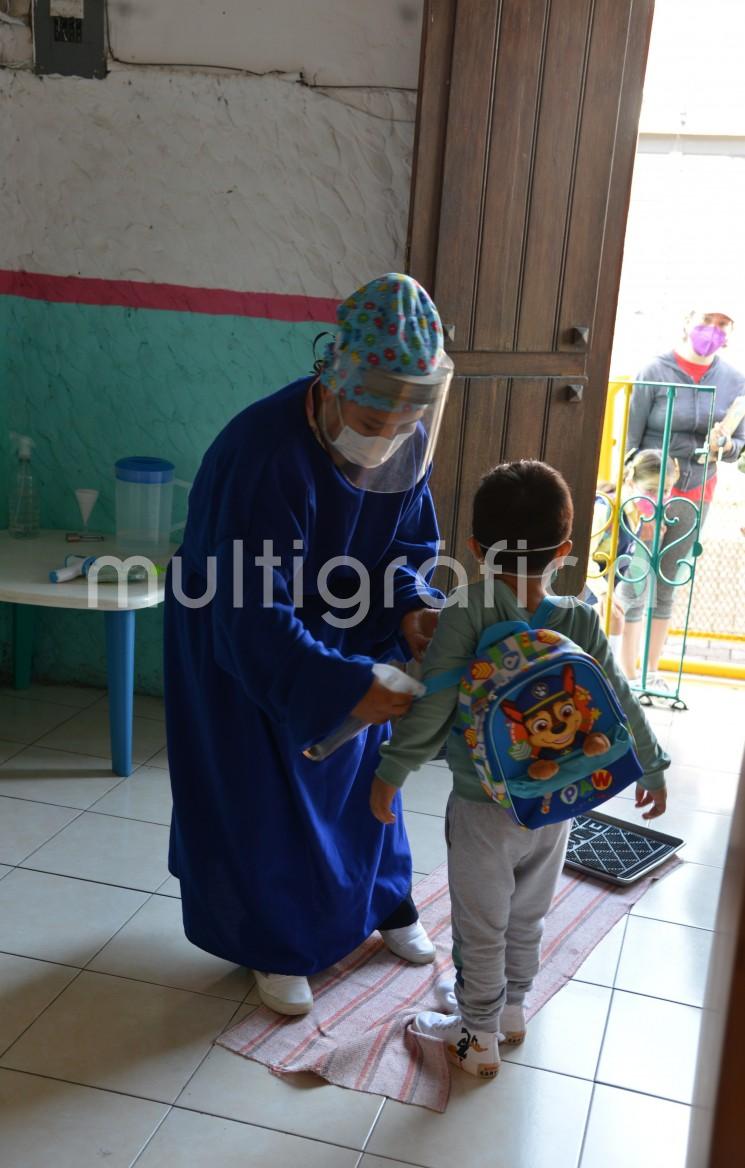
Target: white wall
{"points": [[225, 181], [290, 177], [325, 41], [329, 42]]}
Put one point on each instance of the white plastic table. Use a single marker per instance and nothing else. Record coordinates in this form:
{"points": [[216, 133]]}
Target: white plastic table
{"points": [[24, 582]]}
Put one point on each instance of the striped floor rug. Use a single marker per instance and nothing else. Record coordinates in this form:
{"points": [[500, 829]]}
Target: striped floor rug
{"points": [[358, 1034]]}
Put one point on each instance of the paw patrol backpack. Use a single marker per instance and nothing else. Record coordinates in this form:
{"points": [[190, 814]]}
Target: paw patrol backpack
{"points": [[547, 734]]}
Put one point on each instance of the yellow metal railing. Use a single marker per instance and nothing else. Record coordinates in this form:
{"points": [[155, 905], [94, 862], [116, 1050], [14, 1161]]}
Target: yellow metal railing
{"points": [[612, 448]]}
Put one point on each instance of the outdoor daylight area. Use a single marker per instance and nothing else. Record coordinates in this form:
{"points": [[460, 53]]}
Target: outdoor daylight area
{"points": [[684, 242], [372, 584]]}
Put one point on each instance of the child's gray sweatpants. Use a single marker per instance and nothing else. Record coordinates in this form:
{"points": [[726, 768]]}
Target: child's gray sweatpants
{"points": [[502, 879]]}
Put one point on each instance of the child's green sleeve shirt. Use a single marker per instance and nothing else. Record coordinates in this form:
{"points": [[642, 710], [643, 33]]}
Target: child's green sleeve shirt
{"points": [[418, 736]]}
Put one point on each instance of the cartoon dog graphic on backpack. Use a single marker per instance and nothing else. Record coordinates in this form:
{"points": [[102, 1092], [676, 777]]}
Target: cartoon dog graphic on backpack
{"points": [[549, 715]]}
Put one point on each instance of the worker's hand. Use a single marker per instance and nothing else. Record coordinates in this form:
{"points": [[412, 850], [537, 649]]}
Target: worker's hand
{"points": [[381, 797], [417, 629], [380, 704], [658, 799], [718, 442]]}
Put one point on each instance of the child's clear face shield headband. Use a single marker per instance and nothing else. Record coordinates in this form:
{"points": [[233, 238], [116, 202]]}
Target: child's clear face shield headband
{"points": [[521, 553]]}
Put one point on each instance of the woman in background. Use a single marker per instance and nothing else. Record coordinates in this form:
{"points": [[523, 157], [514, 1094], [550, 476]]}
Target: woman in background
{"points": [[694, 361]]}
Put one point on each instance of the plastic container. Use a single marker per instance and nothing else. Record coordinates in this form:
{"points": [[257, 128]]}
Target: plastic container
{"points": [[394, 680], [23, 503], [144, 504]]}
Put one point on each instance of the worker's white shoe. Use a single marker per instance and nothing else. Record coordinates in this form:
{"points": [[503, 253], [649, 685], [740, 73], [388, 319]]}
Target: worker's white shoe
{"points": [[283, 992], [410, 942]]}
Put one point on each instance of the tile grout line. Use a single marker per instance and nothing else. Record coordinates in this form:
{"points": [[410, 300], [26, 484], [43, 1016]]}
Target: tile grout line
{"points": [[393, 1160], [106, 883], [586, 1126], [152, 1135], [610, 1000], [63, 722], [21, 748], [90, 809], [92, 706], [251, 1123], [647, 1094], [265, 1127], [72, 980], [102, 696], [86, 1086], [373, 1125], [53, 835], [4, 1052], [175, 1106], [237, 1002]]}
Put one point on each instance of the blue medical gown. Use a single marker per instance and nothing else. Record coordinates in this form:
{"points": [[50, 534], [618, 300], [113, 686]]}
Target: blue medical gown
{"points": [[282, 865]]}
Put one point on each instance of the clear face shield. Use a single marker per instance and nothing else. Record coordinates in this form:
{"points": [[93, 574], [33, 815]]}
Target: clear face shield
{"points": [[385, 441]]}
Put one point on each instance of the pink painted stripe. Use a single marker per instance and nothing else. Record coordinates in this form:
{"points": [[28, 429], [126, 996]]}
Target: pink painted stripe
{"points": [[171, 297]]}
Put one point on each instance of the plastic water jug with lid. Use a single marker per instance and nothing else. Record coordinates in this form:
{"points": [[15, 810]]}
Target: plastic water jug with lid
{"points": [[144, 502]]}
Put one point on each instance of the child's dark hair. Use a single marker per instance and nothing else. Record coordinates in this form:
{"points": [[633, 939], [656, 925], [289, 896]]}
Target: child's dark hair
{"points": [[526, 505]]}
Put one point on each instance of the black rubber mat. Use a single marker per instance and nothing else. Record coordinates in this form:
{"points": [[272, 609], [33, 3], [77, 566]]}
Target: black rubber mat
{"points": [[615, 850]]}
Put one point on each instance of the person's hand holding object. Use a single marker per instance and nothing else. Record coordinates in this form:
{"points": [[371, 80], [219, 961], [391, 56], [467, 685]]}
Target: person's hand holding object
{"points": [[380, 704]]}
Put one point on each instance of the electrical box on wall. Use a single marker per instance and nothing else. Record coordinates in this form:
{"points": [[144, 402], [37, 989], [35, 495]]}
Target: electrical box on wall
{"points": [[69, 37]]}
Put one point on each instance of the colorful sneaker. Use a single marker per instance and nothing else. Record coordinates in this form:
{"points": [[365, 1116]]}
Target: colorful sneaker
{"points": [[283, 992], [474, 1051], [512, 1024], [410, 942]]}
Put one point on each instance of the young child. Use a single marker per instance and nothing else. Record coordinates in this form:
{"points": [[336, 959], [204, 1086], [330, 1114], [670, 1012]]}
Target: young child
{"points": [[641, 478], [502, 876]]}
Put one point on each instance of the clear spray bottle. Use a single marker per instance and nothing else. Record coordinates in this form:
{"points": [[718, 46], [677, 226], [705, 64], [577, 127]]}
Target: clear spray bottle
{"points": [[393, 679], [23, 513]]}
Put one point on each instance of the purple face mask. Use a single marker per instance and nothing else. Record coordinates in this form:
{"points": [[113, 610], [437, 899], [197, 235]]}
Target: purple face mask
{"points": [[706, 339]]}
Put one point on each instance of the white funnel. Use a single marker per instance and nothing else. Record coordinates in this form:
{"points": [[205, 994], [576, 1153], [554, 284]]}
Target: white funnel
{"points": [[86, 502]]}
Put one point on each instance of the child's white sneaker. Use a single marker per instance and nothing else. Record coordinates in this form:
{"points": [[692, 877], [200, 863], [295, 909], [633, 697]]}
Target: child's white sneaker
{"points": [[474, 1051], [512, 1024], [445, 995], [284, 992], [410, 942]]}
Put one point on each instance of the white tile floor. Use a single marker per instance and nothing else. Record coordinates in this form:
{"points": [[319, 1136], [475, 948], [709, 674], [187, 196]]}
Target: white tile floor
{"points": [[108, 1015]]}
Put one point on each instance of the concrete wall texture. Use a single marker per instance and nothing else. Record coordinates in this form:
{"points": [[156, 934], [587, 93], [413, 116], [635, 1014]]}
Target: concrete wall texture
{"points": [[167, 192]]}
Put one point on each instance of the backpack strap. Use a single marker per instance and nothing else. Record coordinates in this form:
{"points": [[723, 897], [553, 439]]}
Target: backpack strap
{"points": [[443, 681], [490, 636], [498, 632], [542, 614]]}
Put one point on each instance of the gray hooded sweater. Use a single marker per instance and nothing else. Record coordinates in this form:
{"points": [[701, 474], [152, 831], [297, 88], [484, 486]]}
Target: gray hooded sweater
{"points": [[690, 417]]}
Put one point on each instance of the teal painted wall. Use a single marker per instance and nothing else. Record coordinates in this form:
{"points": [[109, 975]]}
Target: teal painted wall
{"points": [[91, 385]]}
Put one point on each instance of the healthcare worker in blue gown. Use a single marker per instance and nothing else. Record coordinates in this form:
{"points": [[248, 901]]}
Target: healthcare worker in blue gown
{"points": [[270, 638]]}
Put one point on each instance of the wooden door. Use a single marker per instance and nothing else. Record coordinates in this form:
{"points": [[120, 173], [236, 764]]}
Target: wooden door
{"points": [[526, 134]]}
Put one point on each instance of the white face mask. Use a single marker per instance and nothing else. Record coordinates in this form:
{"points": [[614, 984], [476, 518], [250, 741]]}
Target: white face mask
{"points": [[368, 452]]}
